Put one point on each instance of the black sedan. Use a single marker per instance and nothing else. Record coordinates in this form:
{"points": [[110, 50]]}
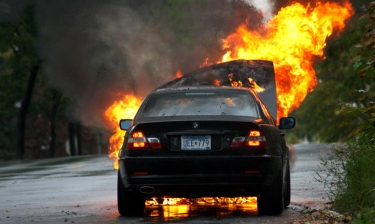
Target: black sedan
{"points": [[204, 141]]}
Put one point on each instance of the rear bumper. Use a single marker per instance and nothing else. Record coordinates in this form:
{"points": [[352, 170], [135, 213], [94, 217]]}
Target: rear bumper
{"points": [[199, 176]]}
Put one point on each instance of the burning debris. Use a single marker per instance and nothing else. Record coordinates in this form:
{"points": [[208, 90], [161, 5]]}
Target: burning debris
{"points": [[234, 73], [201, 201], [256, 74]]}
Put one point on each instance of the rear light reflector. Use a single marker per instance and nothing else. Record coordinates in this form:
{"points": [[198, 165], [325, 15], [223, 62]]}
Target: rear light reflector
{"points": [[139, 144], [253, 143], [255, 139], [254, 133], [137, 140], [138, 134], [237, 142], [154, 143]]}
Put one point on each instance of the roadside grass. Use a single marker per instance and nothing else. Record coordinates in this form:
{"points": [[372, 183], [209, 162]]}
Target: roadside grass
{"points": [[366, 216], [349, 176]]}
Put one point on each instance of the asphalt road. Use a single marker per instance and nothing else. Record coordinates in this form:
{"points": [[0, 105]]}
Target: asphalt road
{"points": [[83, 190]]}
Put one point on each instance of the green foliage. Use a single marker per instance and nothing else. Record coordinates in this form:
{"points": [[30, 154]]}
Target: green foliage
{"points": [[173, 13], [317, 117], [364, 61], [292, 138], [17, 56], [366, 217], [350, 174]]}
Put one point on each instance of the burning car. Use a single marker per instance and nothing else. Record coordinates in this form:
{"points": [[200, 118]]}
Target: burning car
{"points": [[213, 132]]}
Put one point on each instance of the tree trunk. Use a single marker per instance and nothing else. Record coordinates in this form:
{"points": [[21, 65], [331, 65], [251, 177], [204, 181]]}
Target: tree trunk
{"points": [[56, 96], [72, 142], [79, 138], [23, 111]]}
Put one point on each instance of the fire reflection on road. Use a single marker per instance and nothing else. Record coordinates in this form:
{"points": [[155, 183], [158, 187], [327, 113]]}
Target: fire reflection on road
{"points": [[197, 208]]}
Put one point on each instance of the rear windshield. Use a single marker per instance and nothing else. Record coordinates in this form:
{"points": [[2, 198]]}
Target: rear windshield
{"points": [[200, 103]]}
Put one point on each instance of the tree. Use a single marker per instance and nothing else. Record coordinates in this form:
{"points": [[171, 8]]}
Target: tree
{"points": [[30, 110], [23, 63], [363, 64], [350, 175]]}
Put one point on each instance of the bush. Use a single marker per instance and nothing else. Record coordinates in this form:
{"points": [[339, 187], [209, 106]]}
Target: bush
{"points": [[291, 138], [366, 217], [349, 175]]}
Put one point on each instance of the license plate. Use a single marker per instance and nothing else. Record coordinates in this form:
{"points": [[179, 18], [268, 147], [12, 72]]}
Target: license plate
{"points": [[196, 142]]}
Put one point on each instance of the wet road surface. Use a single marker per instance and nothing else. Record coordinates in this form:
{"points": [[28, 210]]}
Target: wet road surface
{"points": [[83, 190]]}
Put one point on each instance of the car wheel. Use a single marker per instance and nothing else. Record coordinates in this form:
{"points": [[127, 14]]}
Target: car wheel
{"points": [[287, 191], [129, 203], [271, 201]]}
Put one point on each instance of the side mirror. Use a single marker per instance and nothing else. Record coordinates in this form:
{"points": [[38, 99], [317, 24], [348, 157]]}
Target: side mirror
{"points": [[125, 124], [287, 122]]}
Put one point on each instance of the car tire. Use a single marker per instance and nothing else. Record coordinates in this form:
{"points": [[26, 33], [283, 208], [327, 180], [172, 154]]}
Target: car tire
{"points": [[129, 203], [271, 200], [287, 191]]}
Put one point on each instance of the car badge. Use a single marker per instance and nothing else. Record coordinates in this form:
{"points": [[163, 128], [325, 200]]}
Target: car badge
{"points": [[195, 125]]}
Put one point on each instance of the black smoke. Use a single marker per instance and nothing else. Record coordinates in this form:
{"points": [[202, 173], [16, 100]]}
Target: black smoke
{"points": [[95, 51]]}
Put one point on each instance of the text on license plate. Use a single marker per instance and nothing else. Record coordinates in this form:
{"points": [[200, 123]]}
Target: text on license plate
{"points": [[196, 142]]}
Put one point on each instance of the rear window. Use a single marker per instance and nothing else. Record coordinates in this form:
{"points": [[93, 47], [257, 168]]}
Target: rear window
{"points": [[200, 103]]}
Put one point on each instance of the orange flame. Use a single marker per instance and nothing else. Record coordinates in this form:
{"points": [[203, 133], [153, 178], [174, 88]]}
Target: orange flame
{"points": [[122, 109], [205, 63], [178, 74], [291, 40]]}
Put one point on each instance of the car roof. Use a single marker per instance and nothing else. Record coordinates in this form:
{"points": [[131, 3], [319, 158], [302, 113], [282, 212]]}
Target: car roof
{"points": [[204, 88]]}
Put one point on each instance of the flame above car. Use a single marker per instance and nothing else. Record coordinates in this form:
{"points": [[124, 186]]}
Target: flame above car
{"points": [[291, 40]]}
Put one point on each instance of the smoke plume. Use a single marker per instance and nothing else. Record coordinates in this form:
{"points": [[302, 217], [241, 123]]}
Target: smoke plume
{"points": [[95, 51]]}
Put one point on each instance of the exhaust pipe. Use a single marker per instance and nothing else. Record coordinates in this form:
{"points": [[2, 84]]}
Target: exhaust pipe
{"points": [[147, 190]]}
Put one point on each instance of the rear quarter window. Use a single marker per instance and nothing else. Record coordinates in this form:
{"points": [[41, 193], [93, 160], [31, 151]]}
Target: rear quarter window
{"points": [[200, 103]]}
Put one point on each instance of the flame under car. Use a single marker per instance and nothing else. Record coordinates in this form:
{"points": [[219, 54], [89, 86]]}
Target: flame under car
{"points": [[204, 141]]}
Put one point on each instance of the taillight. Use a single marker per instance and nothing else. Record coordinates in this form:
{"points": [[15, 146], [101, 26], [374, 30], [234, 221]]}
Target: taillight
{"points": [[237, 142], [138, 134], [154, 143], [255, 139], [138, 140]]}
